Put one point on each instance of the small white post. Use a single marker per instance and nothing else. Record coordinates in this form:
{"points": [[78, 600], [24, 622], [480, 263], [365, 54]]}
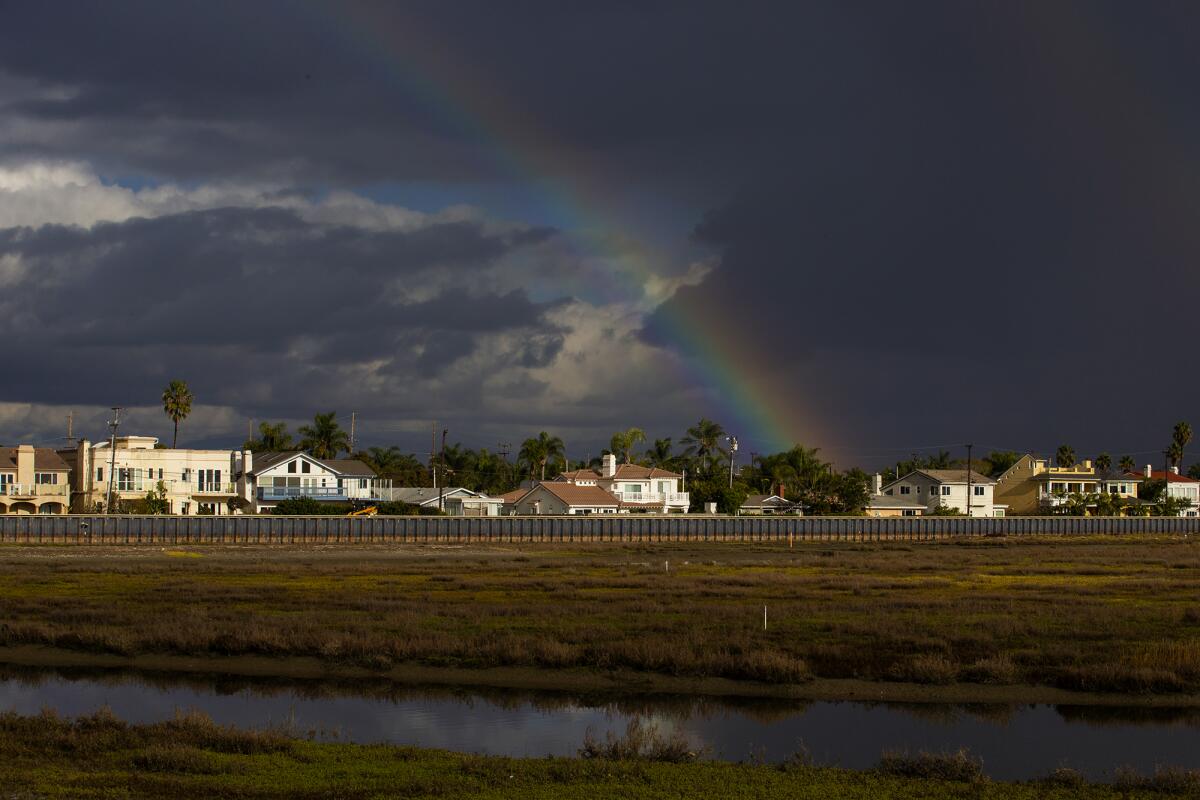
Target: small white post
{"points": [[764, 618], [666, 566]]}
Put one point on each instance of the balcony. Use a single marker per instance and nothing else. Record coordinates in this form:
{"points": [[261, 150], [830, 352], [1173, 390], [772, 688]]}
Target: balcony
{"points": [[214, 488], [664, 498], [33, 490], [269, 493]]}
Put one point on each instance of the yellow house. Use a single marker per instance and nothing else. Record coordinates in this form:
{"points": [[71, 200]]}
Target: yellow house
{"points": [[1033, 486]]}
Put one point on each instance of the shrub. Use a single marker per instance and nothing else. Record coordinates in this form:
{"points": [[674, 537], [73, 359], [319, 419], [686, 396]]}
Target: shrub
{"points": [[641, 742], [309, 507], [1165, 780], [1065, 778], [927, 668], [998, 670], [960, 766]]}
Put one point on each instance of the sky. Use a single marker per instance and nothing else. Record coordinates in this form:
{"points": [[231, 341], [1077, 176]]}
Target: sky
{"points": [[875, 228]]}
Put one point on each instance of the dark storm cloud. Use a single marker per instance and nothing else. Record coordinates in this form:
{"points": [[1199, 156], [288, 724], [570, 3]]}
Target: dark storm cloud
{"points": [[935, 221], [230, 296]]}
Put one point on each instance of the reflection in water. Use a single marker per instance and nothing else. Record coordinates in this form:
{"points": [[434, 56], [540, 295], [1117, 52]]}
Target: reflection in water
{"points": [[1014, 742]]}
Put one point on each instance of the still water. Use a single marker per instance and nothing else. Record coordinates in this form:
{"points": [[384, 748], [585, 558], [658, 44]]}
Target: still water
{"points": [[1015, 742]]}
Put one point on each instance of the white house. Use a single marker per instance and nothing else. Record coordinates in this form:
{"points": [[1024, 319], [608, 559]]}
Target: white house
{"points": [[562, 498], [1180, 486], [931, 488], [638, 489], [456, 501], [768, 504], [196, 481], [264, 479]]}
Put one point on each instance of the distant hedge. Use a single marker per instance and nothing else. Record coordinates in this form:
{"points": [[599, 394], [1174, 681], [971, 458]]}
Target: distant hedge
{"points": [[308, 507]]}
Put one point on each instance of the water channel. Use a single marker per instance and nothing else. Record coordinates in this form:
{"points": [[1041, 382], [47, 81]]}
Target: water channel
{"points": [[1014, 742]]}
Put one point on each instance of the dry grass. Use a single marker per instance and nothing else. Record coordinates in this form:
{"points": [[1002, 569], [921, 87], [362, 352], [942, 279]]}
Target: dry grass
{"points": [[1104, 614]]}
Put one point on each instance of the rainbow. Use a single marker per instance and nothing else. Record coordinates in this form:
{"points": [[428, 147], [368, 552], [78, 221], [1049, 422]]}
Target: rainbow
{"points": [[738, 381]]}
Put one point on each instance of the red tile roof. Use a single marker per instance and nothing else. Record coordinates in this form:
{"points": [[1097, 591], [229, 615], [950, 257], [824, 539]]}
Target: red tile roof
{"points": [[1158, 476], [574, 495], [637, 471]]}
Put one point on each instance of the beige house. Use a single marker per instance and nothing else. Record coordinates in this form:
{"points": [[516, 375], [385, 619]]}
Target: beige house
{"points": [[1034, 486], [638, 489], [196, 481], [33, 480]]}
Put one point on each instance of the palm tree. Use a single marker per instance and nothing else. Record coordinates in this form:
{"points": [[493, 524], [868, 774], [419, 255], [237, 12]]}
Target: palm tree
{"points": [[539, 451], [386, 461], [324, 438], [703, 442], [177, 403], [272, 438], [623, 441], [1181, 436], [1126, 464], [660, 454], [1104, 462], [1065, 457]]}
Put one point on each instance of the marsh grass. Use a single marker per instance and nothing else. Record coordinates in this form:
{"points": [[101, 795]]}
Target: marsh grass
{"points": [[1102, 614], [100, 756]]}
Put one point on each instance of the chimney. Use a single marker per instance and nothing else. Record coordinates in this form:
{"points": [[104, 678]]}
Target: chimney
{"points": [[608, 465], [876, 484], [1175, 469], [783, 491], [25, 471], [1087, 465], [247, 462], [1149, 470]]}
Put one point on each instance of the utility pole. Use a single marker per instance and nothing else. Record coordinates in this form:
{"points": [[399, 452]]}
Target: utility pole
{"points": [[505, 449], [114, 423], [968, 481], [249, 429], [733, 446], [353, 419], [442, 458]]}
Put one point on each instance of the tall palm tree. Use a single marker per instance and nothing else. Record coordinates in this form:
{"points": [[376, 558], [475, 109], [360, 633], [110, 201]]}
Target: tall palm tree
{"points": [[1181, 436], [538, 451], [703, 442], [177, 403], [1126, 464], [660, 454], [324, 438], [622, 442], [1065, 457], [1104, 462]]}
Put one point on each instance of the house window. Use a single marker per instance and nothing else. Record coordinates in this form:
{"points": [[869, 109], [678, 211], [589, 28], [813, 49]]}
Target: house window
{"points": [[905, 490], [46, 478], [292, 466], [909, 512], [946, 490], [99, 474], [362, 484], [978, 491], [305, 467]]}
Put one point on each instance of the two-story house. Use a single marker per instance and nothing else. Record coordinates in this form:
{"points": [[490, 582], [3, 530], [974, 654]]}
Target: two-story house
{"points": [[638, 489], [925, 490], [264, 479], [196, 481], [1180, 486], [1034, 486], [33, 480]]}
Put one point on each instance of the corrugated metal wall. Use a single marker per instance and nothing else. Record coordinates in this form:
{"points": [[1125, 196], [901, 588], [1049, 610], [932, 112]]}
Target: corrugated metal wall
{"points": [[285, 530]]}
